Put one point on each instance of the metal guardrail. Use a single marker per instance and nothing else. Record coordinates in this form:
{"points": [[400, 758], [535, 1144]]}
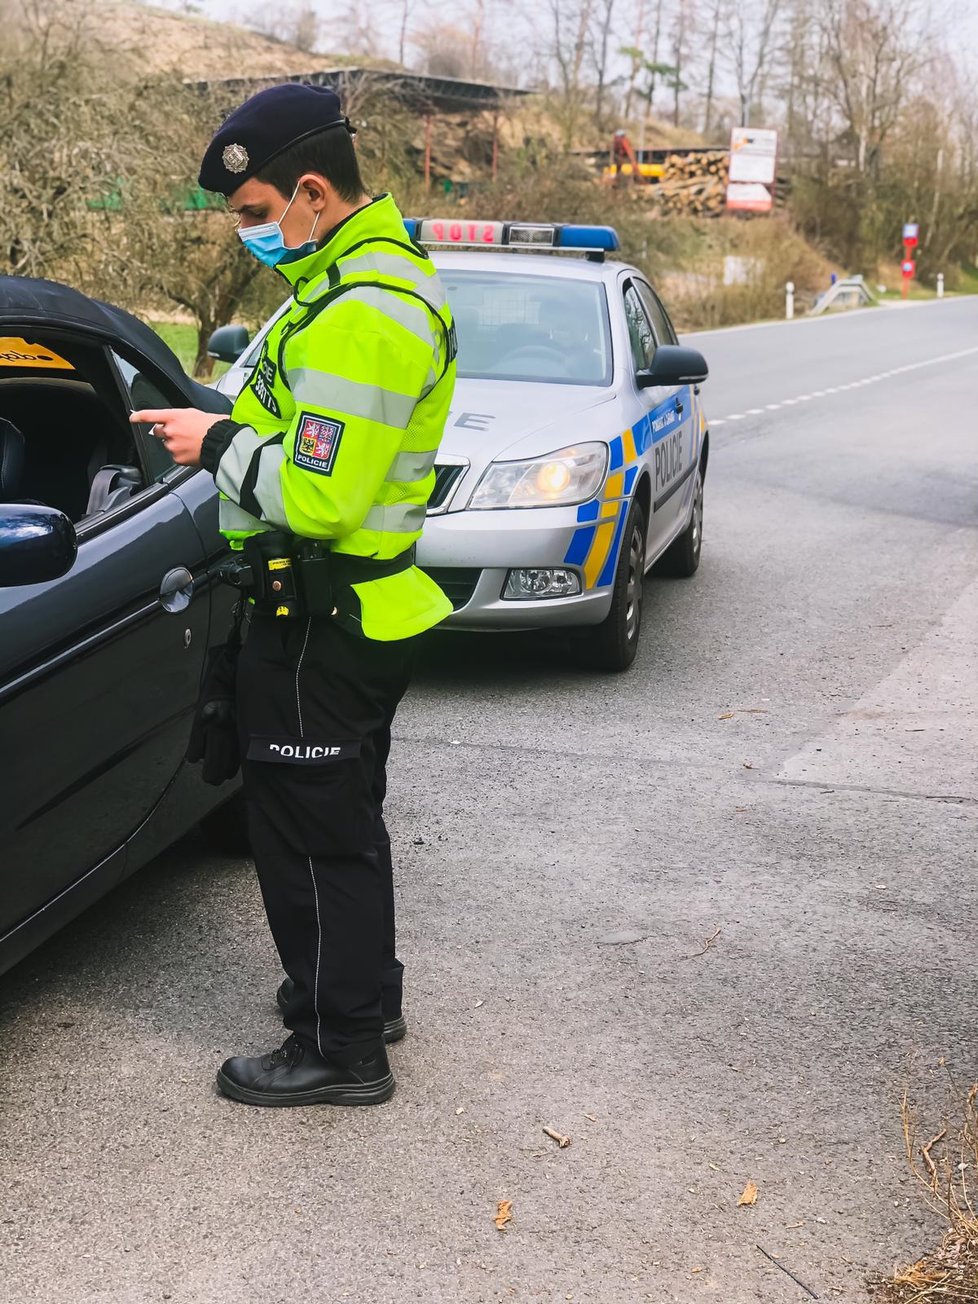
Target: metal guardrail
{"points": [[852, 292]]}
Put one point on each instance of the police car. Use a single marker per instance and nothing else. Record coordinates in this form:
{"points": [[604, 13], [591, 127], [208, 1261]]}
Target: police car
{"points": [[576, 450]]}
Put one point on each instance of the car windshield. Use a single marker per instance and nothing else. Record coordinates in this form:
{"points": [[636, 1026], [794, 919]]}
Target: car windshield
{"points": [[539, 328]]}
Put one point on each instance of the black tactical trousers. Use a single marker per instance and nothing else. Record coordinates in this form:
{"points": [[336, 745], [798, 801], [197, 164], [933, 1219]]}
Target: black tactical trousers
{"points": [[315, 706]]}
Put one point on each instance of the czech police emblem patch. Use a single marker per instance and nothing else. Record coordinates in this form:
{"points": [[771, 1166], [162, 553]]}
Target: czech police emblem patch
{"points": [[316, 442], [235, 158]]}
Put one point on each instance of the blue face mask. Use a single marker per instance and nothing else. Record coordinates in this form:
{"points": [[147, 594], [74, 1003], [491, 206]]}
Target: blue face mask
{"points": [[267, 242]]}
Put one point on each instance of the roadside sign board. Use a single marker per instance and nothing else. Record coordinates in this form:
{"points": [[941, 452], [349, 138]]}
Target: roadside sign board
{"points": [[749, 197], [753, 155], [911, 233], [753, 169], [908, 267]]}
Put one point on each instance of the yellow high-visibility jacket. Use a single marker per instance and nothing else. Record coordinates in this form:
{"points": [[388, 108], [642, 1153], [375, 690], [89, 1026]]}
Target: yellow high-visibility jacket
{"points": [[334, 437]]}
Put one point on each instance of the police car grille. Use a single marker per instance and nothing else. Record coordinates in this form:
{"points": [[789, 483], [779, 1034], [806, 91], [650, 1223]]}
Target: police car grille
{"points": [[446, 478], [457, 582]]}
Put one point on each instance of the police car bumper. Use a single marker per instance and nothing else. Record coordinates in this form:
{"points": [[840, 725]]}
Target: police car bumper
{"points": [[505, 570]]}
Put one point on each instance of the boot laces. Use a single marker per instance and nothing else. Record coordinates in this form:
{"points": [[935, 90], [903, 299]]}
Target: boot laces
{"points": [[287, 1056]]}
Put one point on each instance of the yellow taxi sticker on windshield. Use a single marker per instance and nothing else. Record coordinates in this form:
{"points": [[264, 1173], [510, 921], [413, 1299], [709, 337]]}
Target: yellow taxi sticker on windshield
{"points": [[18, 353]]}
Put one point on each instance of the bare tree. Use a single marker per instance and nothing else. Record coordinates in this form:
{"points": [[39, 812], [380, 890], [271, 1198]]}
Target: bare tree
{"points": [[679, 33], [716, 17], [604, 15], [752, 33], [872, 55], [570, 41], [634, 54], [297, 24]]}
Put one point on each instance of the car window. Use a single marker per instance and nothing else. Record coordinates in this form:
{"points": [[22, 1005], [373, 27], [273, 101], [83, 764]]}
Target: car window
{"points": [[61, 397], [639, 331], [144, 392], [661, 324], [536, 328]]}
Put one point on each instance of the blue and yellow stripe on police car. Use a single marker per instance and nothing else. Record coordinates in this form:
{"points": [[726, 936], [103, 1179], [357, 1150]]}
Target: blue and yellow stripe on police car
{"points": [[595, 543]]}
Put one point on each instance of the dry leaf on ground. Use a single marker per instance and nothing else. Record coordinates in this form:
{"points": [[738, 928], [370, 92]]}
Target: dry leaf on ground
{"points": [[504, 1212], [727, 715], [749, 1194]]}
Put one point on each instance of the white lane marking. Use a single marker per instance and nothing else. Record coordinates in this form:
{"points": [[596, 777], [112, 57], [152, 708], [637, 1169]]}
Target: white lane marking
{"points": [[853, 384], [717, 421]]}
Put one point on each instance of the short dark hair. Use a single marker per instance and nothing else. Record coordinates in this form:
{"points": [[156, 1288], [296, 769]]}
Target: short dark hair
{"points": [[330, 153]]}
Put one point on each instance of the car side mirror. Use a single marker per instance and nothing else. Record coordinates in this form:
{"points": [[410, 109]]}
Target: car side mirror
{"points": [[37, 543], [228, 343], [673, 364]]}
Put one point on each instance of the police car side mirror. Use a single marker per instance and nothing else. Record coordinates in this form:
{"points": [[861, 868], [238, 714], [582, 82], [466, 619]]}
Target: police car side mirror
{"points": [[36, 544], [672, 364], [228, 343]]}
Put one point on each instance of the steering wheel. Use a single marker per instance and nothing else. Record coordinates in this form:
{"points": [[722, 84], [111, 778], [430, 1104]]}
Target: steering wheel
{"points": [[541, 352]]}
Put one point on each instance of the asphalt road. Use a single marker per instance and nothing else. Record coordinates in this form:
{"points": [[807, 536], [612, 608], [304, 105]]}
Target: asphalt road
{"points": [[708, 919]]}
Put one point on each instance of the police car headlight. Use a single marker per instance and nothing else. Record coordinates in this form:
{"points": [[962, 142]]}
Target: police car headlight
{"points": [[571, 475]]}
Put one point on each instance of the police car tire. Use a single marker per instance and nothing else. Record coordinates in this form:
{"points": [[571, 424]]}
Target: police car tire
{"points": [[225, 828], [612, 645], [682, 557]]}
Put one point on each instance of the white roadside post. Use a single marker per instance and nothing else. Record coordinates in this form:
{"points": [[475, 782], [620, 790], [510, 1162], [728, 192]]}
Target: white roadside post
{"points": [[789, 300], [940, 285]]}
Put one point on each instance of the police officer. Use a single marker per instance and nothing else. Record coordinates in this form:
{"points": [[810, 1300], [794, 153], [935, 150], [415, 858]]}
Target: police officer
{"points": [[324, 469]]}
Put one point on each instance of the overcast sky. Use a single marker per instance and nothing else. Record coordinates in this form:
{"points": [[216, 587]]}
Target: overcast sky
{"points": [[958, 17]]}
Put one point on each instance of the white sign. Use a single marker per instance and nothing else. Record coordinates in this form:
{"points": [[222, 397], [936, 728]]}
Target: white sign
{"points": [[749, 197], [911, 230], [753, 155]]}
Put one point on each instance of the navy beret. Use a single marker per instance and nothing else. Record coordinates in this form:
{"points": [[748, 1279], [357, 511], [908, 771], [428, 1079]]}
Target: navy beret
{"points": [[262, 128]]}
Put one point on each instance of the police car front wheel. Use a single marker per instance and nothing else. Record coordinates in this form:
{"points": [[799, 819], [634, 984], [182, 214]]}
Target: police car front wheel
{"points": [[612, 644]]}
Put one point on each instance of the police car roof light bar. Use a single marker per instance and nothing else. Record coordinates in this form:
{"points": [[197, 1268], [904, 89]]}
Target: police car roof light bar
{"points": [[550, 237]]}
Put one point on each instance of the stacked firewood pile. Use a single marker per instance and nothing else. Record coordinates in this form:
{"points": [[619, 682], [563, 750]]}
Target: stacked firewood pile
{"points": [[694, 184]]}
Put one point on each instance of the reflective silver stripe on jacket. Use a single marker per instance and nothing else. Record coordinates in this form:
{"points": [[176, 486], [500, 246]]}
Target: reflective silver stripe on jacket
{"points": [[407, 468], [403, 518], [234, 463], [268, 486], [398, 269], [233, 518], [406, 312], [340, 394]]}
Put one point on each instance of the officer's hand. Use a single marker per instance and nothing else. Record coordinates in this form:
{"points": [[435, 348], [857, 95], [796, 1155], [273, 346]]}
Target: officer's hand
{"points": [[182, 430]]}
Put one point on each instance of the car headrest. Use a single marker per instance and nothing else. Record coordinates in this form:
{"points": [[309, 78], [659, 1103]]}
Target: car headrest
{"points": [[11, 460]]}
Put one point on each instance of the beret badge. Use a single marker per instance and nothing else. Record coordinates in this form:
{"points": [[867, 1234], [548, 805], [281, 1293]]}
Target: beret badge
{"points": [[235, 158]]}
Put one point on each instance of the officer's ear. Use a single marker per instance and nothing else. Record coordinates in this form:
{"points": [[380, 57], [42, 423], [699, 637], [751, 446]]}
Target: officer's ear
{"points": [[317, 190]]}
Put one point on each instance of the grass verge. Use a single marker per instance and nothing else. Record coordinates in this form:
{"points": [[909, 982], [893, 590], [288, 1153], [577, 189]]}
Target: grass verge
{"points": [[182, 339]]}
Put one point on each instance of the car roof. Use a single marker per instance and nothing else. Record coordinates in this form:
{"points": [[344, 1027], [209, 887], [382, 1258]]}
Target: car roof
{"points": [[47, 305], [569, 267]]}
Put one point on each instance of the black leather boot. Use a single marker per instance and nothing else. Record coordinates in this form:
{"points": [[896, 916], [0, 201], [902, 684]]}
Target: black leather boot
{"points": [[296, 1075], [394, 1029]]}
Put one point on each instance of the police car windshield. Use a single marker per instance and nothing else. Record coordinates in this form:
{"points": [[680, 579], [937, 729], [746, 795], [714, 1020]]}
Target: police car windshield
{"points": [[534, 328]]}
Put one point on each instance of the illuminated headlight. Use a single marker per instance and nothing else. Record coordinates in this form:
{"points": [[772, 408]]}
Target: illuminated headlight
{"points": [[542, 582], [571, 475]]}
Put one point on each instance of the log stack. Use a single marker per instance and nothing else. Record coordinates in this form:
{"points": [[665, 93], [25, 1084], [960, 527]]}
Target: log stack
{"points": [[694, 184]]}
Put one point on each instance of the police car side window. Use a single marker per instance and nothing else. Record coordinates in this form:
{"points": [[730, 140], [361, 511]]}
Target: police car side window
{"points": [[661, 324], [639, 331]]}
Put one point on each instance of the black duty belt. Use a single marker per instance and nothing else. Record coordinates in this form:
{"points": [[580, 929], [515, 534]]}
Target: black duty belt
{"points": [[285, 576]]}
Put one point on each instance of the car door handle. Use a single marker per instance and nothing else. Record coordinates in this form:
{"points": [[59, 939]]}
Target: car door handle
{"points": [[176, 589], [679, 406]]}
